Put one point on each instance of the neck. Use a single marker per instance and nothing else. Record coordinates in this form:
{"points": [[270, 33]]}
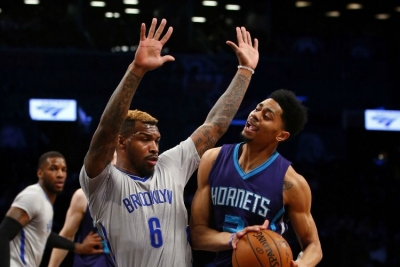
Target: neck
{"points": [[50, 196], [252, 156]]}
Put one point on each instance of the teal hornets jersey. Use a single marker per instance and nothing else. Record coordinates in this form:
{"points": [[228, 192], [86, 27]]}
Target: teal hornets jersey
{"points": [[144, 220]]}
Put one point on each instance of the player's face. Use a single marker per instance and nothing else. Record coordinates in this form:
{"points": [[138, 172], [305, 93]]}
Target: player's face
{"points": [[52, 174], [264, 124], [142, 149]]}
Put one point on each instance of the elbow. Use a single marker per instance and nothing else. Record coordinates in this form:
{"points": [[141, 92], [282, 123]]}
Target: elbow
{"points": [[194, 243], [195, 240]]}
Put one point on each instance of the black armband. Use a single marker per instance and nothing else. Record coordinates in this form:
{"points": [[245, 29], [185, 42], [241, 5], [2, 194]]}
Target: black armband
{"points": [[57, 241], [9, 229]]}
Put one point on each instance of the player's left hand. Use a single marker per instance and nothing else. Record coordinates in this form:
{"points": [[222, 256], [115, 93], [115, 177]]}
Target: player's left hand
{"points": [[253, 228], [90, 245]]}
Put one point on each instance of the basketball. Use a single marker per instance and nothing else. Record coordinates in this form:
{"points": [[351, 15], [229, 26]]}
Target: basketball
{"points": [[262, 249]]}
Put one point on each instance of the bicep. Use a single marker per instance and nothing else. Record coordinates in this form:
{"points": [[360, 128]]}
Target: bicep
{"points": [[299, 212], [19, 215]]}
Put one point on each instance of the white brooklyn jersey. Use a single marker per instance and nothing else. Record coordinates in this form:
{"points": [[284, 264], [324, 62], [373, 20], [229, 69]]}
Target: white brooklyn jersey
{"points": [[27, 248], [145, 220]]}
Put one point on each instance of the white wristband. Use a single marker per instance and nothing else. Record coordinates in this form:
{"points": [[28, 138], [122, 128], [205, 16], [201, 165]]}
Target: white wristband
{"points": [[246, 68]]}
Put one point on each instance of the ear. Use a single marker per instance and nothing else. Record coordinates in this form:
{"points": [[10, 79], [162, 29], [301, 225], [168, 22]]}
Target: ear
{"points": [[283, 136], [39, 173], [121, 141]]}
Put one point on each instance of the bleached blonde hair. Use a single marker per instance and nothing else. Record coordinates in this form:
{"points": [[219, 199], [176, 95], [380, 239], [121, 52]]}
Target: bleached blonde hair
{"points": [[136, 115]]}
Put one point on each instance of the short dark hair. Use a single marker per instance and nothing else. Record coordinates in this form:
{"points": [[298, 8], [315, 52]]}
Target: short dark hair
{"points": [[136, 115], [294, 113], [49, 154]]}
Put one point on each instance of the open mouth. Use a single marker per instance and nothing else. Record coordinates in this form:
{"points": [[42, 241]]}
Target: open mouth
{"points": [[250, 126]]}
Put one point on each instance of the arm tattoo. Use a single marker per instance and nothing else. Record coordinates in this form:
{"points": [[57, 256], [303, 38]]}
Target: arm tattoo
{"points": [[120, 101], [287, 185], [221, 114], [117, 107]]}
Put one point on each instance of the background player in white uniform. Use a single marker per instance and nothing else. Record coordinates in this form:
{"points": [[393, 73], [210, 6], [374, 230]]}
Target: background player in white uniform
{"points": [[77, 223], [27, 225], [139, 203]]}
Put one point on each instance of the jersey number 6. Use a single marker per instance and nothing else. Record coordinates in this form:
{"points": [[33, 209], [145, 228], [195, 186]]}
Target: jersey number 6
{"points": [[156, 239]]}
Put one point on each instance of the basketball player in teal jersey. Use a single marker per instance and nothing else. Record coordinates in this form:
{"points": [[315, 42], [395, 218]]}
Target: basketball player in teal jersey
{"points": [[249, 186], [138, 204]]}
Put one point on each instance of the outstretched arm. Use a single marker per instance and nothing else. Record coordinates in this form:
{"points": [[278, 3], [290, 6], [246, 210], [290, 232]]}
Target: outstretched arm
{"points": [[297, 198], [73, 219], [12, 224], [147, 57], [222, 113]]}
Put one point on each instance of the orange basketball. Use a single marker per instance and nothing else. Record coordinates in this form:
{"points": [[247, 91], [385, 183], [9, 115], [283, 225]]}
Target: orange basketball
{"points": [[262, 249]]}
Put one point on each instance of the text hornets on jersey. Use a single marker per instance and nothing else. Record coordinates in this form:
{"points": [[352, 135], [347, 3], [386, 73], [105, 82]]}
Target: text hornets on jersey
{"points": [[240, 198]]}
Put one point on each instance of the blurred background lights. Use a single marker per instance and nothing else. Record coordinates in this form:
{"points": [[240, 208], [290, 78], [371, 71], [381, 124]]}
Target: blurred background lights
{"points": [[354, 6], [332, 14], [302, 4]]}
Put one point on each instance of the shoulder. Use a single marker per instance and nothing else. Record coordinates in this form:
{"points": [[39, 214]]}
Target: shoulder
{"points": [[295, 187], [294, 178], [212, 153]]}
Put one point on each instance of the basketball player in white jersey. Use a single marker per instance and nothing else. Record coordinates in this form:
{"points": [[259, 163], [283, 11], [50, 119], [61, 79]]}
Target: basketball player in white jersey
{"points": [[138, 204], [27, 225]]}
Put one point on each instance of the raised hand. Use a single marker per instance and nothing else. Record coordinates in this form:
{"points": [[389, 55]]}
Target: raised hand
{"points": [[90, 245], [148, 55], [246, 51]]}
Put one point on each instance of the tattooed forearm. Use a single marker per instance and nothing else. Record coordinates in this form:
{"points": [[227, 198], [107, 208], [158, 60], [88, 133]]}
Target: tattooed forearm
{"points": [[120, 101], [115, 113], [220, 116], [287, 185], [228, 104]]}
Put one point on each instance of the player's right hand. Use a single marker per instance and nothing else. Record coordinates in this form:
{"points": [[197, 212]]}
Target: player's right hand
{"points": [[253, 228], [148, 54]]}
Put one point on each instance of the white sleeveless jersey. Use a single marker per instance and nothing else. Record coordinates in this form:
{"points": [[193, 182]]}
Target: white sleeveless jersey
{"points": [[145, 220], [27, 248]]}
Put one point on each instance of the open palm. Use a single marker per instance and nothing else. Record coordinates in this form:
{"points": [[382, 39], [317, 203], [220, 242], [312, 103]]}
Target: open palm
{"points": [[148, 55]]}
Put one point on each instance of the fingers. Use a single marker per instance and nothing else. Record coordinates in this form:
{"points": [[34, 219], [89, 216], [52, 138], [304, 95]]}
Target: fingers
{"points": [[142, 32], [152, 28], [255, 46], [166, 36], [232, 45], [244, 34], [160, 29], [96, 251], [265, 224], [167, 58], [249, 39], [156, 34]]}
